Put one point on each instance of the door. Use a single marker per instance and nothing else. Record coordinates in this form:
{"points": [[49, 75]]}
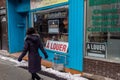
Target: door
{"points": [[4, 32]]}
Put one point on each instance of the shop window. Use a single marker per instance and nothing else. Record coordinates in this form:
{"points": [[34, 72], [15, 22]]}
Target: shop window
{"points": [[52, 24], [103, 29]]}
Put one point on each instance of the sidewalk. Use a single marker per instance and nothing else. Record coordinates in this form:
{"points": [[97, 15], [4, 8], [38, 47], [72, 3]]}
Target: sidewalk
{"points": [[95, 77], [86, 75], [9, 71], [15, 55]]}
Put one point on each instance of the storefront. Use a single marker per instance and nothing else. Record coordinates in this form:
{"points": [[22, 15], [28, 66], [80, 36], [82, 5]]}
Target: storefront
{"points": [[58, 28], [102, 38], [71, 28], [59, 23]]}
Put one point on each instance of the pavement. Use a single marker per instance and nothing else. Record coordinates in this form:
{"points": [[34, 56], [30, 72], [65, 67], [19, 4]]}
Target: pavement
{"points": [[9, 72]]}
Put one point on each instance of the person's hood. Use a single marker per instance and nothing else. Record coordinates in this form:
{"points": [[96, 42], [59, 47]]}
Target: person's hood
{"points": [[34, 37]]}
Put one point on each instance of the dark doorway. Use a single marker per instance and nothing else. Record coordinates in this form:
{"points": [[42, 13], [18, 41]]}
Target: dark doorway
{"points": [[0, 36], [3, 32]]}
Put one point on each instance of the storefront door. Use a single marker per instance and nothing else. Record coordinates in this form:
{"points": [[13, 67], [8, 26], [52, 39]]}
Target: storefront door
{"points": [[4, 36]]}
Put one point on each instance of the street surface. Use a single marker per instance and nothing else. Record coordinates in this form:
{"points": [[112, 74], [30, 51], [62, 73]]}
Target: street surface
{"points": [[8, 71], [11, 69]]}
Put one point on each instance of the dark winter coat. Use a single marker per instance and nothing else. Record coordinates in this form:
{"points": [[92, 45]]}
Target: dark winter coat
{"points": [[32, 44]]}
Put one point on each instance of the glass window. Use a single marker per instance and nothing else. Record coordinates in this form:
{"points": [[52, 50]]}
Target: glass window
{"points": [[52, 24], [103, 29]]}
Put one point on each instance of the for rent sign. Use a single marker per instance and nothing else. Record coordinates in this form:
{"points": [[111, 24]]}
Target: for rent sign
{"points": [[57, 46], [96, 49]]}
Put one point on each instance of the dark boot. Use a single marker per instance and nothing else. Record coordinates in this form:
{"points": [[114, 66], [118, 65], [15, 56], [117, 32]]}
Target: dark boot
{"points": [[33, 76], [37, 77]]}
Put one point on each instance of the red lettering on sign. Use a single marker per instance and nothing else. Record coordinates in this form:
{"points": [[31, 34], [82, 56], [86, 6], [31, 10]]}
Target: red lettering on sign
{"points": [[54, 46], [64, 48], [60, 47], [47, 46], [51, 45], [57, 46]]}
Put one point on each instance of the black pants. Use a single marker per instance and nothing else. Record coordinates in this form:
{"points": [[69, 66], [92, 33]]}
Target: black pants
{"points": [[35, 76]]}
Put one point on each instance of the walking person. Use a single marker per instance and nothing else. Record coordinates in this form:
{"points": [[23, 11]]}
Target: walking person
{"points": [[31, 45]]}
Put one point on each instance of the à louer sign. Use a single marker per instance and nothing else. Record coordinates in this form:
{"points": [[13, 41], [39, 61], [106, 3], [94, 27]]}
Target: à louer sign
{"points": [[57, 46]]}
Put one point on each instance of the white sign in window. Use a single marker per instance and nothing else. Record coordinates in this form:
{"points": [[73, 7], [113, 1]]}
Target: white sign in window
{"points": [[53, 26], [57, 46]]}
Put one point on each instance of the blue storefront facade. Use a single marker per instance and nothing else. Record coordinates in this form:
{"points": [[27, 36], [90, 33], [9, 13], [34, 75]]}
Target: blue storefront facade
{"points": [[84, 32], [22, 14]]}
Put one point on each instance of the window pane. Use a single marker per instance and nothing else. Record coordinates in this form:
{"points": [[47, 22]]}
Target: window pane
{"points": [[103, 29], [52, 24]]}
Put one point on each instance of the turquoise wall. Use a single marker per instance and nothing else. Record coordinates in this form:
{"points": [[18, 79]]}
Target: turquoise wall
{"points": [[76, 34], [23, 5], [16, 25]]}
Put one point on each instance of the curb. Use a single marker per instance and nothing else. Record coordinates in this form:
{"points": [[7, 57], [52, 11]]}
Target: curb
{"points": [[95, 77]]}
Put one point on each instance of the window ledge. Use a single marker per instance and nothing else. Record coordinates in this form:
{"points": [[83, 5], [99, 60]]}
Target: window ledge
{"points": [[101, 59]]}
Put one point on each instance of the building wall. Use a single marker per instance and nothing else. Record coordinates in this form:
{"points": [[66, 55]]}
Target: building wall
{"points": [[16, 39], [2, 3], [16, 24], [103, 68], [3, 26]]}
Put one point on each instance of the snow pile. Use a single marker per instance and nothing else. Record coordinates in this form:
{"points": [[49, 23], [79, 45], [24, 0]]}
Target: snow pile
{"points": [[22, 63], [67, 76], [8, 58]]}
